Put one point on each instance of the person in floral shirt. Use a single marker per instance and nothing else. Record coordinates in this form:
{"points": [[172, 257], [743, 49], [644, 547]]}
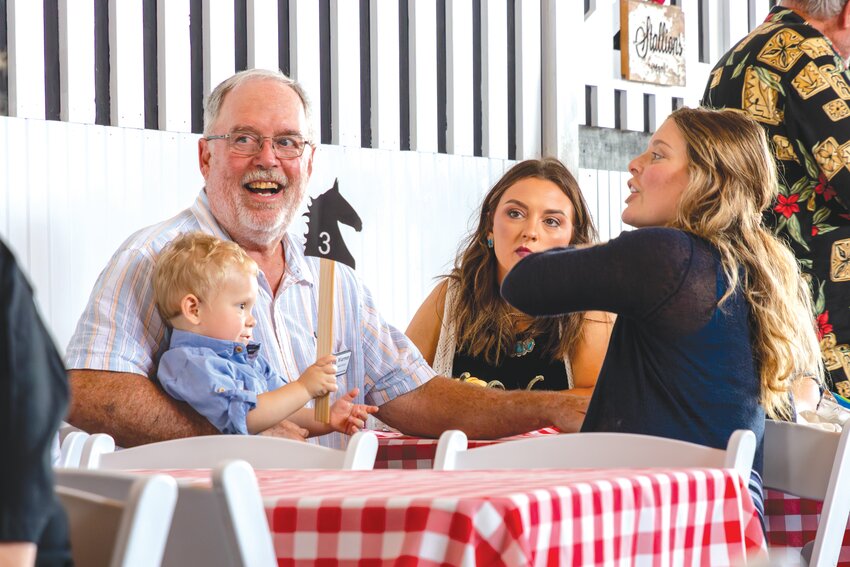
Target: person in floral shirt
{"points": [[790, 75]]}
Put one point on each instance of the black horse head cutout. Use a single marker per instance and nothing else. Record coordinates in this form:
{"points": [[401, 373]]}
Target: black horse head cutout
{"points": [[323, 215]]}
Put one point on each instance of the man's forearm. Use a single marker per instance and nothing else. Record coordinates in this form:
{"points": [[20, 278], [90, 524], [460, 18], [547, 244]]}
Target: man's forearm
{"points": [[482, 413], [131, 408]]}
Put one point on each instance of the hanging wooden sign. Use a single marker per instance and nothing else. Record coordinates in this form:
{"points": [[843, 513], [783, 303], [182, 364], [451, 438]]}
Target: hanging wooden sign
{"points": [[652, 43]]}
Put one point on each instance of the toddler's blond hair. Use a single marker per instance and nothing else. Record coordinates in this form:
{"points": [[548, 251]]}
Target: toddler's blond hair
{"points": [[195, 263]]}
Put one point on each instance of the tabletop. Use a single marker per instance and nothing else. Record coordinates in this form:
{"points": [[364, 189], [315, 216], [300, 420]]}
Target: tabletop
{"points": [[517, 517]]}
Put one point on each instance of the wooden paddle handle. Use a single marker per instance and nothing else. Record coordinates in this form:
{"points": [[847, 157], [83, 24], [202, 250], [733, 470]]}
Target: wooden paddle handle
{"points": [[325, 339]]}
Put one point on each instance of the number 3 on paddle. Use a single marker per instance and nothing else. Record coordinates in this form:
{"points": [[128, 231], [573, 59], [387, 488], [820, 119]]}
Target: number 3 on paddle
{"points": [[324, 243]]}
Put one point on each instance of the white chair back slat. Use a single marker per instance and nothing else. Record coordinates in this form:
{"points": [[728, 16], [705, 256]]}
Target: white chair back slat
{"points": [[422, 68], [345, 70], [117, 520], [305, 52], [174, 65], [815, 464], [459, 55], [218, 524], [262, 19], [126, 64], [494, 78], [95, 446], [207, 452], [71, 449], [236, 484], [219, 43], [529, 98], [384, 71], [595, 450], [25, 58], [76, 61]]}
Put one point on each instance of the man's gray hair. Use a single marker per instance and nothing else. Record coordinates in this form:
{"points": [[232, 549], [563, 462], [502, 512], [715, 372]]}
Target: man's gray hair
{"points": [[819, 9], [212, 105]]}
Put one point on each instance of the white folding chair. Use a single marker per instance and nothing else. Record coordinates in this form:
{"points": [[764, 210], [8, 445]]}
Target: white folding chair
{"points": [[66, 428], [812, 463], [594, 450], [207, 451], [71, 449], [221, 524], [127, 528]]}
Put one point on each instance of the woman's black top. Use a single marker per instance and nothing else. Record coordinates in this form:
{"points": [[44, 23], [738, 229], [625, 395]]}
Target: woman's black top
{"points": [[677, 366], [517, 372]]}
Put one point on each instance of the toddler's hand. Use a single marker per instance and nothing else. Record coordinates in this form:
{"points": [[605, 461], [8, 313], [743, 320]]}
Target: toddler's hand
{"points": [[348, 417], [320, 378]]}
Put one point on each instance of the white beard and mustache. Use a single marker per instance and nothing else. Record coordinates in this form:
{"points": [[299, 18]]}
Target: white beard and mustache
{"points": [[253, 223]]}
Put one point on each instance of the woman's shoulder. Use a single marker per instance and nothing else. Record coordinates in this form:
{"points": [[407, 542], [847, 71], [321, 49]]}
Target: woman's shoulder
{"points": [[661, 242]]}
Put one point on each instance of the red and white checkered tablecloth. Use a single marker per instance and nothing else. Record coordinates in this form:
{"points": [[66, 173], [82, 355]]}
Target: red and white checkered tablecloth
{"points": [[792, 522], [518, 517], [398, 451]]}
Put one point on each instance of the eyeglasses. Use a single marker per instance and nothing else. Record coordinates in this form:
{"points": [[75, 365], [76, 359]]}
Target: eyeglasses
{"points": [[250, 144]]}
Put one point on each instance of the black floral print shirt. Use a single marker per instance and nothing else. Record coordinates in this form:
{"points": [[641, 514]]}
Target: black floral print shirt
{"points": [[787, 76]]}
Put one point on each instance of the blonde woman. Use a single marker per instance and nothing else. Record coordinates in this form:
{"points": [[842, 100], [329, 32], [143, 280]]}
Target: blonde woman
{"points": [[714, 320], [466, 326]]}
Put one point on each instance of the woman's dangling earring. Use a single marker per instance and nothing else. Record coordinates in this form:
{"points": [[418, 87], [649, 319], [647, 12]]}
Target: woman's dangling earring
{"points": [[489, 242]]}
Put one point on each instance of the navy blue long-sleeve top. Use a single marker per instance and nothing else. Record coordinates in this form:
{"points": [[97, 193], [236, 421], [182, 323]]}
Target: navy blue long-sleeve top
{"points": [[677, 365]]}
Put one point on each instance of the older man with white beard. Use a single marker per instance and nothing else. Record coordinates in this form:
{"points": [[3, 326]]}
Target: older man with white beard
{"points": [[252, 191]]}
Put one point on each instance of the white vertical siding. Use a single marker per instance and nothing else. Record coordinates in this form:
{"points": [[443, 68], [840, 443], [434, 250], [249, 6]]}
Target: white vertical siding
{"points": [[174, 72], [494, 78], [262, 34], [26, 58], [304, 59], [345, 70], [76, 61], [423, 70], [126, 64], [529, 135], [384, 57], [460, 135], [219, 54]]}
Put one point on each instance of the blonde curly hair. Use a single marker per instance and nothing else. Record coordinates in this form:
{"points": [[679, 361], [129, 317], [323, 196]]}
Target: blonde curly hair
{"points": [[733, 180], [195, 263]]}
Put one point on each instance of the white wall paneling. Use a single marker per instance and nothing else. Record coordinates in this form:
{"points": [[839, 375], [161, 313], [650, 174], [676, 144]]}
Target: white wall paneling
{"points": [[572, 51], [26, 58], [563, 95], [174, 72], [219, 52], [423, 70], [345, 70], [126, 64], [76, 61], [262, 34], [304, 57], [529, 136], [459, 135], [384, 57], [494, 78]]}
